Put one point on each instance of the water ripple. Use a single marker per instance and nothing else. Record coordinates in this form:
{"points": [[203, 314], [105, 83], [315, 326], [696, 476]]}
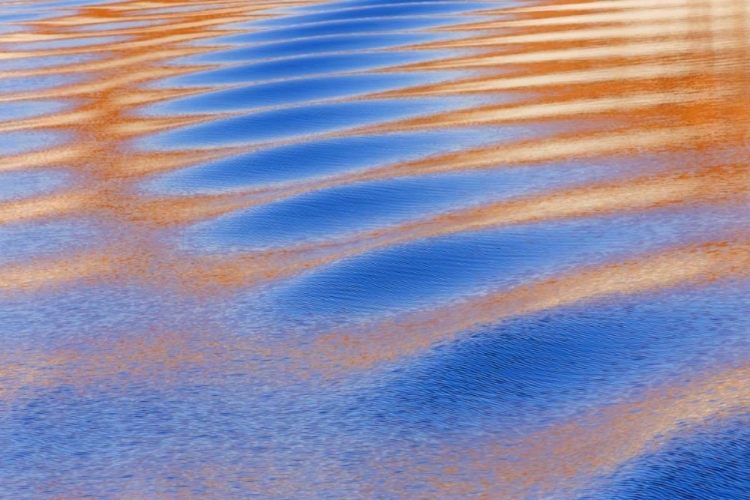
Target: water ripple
{"points": [[374, 249]]}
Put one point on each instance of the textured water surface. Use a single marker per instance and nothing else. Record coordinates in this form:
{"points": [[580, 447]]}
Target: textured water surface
{"points": [[375, 249]]}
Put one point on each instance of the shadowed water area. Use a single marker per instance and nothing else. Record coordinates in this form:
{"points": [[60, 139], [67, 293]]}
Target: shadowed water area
{"points": [[375, 249]]}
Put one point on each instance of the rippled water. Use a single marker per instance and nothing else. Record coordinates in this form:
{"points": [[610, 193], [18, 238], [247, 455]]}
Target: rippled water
{"points": [[375, 249]]}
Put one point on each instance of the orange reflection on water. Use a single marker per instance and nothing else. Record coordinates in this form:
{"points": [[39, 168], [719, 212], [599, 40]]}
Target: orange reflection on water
{"points": [[629, 78]]}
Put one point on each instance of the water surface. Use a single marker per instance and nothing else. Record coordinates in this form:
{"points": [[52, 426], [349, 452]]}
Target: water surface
{"points": [[374, 249]]}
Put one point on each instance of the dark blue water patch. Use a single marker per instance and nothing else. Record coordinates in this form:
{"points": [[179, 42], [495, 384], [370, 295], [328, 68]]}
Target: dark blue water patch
{"points": [[28, 109], [297, 67], [12, 143], [423, 273], [376, 11], [300, 122], [362, 26], [335, 211], [291, 92], [322, 215], [317, 45], [357, 208], [308, 160], [527, 372], [429, 272], [712, 463], [21, 184]]}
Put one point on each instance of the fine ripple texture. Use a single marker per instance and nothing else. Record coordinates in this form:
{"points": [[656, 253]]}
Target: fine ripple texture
{"points": [[375, 249]]}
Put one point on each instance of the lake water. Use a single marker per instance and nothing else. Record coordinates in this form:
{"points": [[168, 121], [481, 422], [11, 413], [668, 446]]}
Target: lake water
{"points": [[375, 249]]}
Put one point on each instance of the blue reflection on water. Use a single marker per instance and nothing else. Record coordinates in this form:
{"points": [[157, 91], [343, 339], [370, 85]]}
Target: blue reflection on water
{"points": [[300, 122], [711, 464], [293, 92], [303, 66]]}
